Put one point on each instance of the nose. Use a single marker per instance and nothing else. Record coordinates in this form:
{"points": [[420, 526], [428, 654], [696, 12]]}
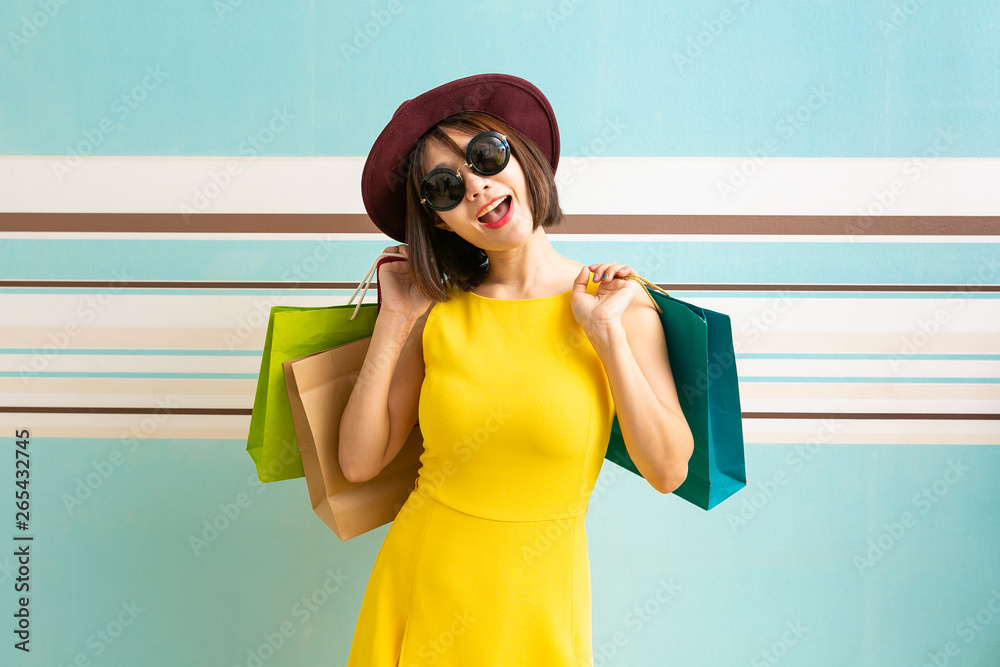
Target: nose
{"points": [[475, 184]]}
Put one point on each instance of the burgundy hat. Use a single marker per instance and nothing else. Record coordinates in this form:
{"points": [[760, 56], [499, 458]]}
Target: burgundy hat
{"points": [[509, 98]]}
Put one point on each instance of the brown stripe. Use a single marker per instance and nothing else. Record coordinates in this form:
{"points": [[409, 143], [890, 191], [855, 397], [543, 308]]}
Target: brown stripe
{"points": [[669, 287], [777, 287], [873, 415], [746, 415], [237, 223], [354, 223], [124, 411], [833, 225]]}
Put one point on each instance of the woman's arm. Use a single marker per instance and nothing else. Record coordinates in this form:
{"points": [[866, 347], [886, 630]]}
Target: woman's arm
{"points": [[633, 350], [383, 406]]}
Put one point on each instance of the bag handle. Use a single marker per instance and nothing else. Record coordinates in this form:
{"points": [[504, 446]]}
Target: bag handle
{"points": [[366, 282], [642, 281], [384, 257]]}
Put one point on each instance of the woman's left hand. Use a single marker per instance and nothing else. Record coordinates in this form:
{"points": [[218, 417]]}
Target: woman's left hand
{"points": [[594, 312]]}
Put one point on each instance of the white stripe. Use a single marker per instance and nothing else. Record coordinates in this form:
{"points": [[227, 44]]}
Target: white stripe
{"points": [[916, 319], [890, 369], [788, 403], [751, 316], [238, 314], [67, 362], [173, 401], [819, 427], [812, 434], [626, 185], [809, 434], [129, 427]]}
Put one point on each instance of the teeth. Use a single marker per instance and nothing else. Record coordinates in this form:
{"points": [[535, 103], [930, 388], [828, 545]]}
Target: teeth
{"points": [[492, 206]]}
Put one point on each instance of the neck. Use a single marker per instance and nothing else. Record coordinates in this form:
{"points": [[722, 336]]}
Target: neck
{"points": [[519, 270]]}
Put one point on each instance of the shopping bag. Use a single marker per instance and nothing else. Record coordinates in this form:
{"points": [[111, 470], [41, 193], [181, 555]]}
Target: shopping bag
{"points": [[700, 349], [293, 332], [319, 386]]}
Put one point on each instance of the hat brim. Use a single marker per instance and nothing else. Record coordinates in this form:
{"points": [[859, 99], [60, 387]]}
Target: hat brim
{"points": [[511, 99]]}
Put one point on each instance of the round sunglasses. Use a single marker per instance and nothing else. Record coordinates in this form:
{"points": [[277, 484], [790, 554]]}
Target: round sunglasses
{"points": [[487, 154]]}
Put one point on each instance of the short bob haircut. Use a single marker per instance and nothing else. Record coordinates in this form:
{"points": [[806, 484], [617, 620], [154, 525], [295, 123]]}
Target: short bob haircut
{"points": [[440, 260]]}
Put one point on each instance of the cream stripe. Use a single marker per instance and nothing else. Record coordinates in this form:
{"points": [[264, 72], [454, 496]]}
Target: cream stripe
{"points": [[128, 386], [894, 369], [72, 432], [862, 431], [162, 401], [885, 404], [870, 398], [886, 342], [627, 185], [956, 313], [46, 431], [755, 397], [788, 312], [866, 392], [897, 438], [114, 363], [125, 428], [179, 338], [897, 369], [121, 309], [825, 426], [756, 391]]}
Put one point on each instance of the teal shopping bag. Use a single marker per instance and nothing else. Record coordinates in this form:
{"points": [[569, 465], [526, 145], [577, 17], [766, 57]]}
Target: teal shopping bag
{"points": [[700, 349], [294, 332]]}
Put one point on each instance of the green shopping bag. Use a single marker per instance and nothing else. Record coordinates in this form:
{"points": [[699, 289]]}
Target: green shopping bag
{"points": [[700, 349], [294, 332]]}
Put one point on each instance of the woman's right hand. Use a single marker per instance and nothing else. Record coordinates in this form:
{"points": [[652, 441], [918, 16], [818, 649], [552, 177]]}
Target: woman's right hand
{"points": [[399, 293]]}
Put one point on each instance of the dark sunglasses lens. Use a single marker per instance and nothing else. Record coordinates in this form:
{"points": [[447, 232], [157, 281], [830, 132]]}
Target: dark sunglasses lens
{"points": [[488, 154], [442, 190]]}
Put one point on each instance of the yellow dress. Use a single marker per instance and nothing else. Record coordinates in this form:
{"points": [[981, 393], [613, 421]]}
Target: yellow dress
{"points": [[486, 563]]}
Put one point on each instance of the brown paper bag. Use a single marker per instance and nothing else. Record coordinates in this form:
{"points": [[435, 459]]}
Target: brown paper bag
{"points": [[319, 386]]}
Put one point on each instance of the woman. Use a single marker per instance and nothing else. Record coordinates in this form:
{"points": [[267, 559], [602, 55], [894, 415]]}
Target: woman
{"points": [[516, 363]]}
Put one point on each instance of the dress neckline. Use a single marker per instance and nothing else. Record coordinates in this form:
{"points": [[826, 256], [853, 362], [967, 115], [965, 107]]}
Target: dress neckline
{"points": [[537, 298]]}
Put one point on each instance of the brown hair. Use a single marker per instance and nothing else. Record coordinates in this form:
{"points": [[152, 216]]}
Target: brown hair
{"points": [[439, 259]]}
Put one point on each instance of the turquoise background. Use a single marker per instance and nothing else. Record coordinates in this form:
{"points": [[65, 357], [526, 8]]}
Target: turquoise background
{"points": [[737, 575], [227, 70], [667, 261]]}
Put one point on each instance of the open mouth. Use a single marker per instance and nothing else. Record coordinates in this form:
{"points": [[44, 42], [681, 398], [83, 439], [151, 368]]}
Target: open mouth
{"points": [[495, 214]]}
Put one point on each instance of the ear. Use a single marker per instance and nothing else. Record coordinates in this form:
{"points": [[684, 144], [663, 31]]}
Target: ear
{"points": [[441, 224]]}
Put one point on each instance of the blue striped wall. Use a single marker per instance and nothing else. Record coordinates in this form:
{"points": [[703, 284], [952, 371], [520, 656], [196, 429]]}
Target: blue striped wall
{"points": [[811, 565]]}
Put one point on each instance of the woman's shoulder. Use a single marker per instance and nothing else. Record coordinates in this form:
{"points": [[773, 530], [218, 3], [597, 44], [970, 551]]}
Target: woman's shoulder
{"points": [[570, 272]]}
